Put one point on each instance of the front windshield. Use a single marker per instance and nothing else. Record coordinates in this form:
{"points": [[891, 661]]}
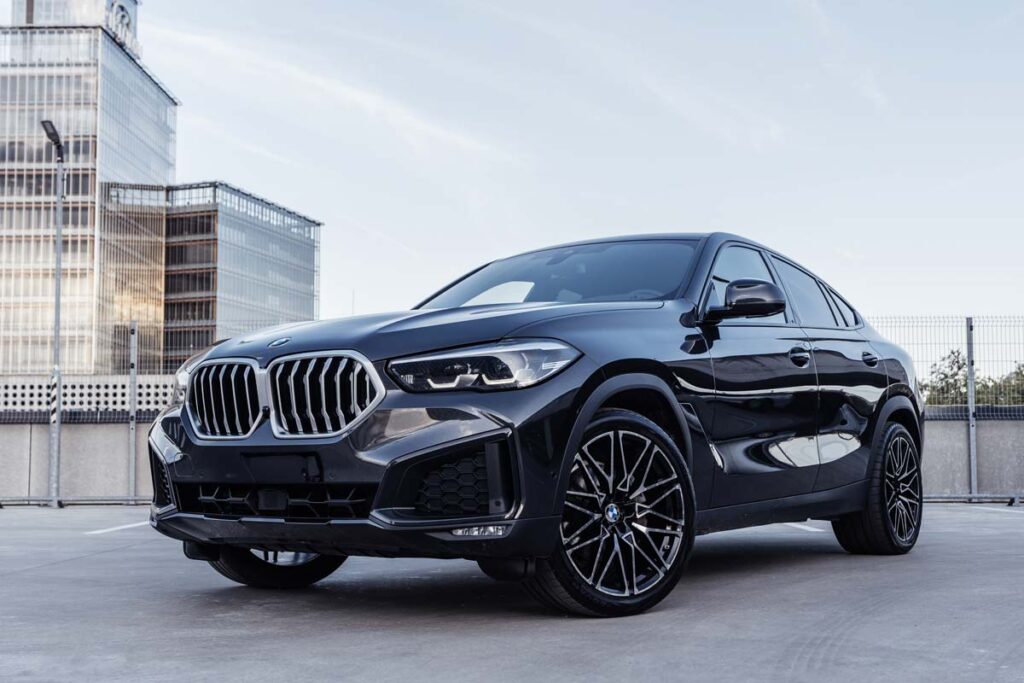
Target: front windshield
{"points": [[644, 270]]}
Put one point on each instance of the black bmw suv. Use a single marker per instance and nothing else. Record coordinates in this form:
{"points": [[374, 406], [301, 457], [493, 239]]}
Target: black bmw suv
{"points": [[569, 418]]}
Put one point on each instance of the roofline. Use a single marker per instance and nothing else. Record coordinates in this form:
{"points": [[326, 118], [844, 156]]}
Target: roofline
{"points": [[234, 188], [138, 62], [643, 237]]}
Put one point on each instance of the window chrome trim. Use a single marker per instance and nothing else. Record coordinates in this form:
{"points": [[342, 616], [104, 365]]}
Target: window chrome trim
{"points": [[360, 360]]}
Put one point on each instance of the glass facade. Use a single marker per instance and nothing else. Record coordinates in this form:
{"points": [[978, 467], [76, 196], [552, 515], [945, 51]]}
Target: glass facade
{"points": [[118, 125], [234, 263], [213, 259]]}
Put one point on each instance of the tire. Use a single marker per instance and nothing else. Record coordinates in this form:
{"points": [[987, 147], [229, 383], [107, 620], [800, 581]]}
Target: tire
{"points": [[608, 563], [891, 522], [242, 565]]}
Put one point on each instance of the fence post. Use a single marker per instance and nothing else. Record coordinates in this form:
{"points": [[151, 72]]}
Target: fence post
{"points": [[972, 423], [133, 401]]}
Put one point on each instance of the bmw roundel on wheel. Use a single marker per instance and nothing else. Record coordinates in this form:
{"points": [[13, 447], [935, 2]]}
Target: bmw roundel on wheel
{"points": [[569, 418]]}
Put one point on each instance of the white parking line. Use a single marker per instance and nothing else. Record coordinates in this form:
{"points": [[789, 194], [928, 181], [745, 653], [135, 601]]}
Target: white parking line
{"points": [[1016, 511], [116, 528], [805, 527]]}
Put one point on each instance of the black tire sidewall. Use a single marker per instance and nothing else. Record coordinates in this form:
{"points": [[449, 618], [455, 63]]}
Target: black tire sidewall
{"points": [[894, 431], [600, 603], [242, 566]]}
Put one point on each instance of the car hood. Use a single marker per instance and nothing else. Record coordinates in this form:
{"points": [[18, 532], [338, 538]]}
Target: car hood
{"points": [[388, 335]]}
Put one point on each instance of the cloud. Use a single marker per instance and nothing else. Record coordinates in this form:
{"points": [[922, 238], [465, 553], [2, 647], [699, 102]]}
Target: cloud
{"points": [[709, 109], [861, 79], [408, 124], [247, 145], [868, 88], [734, 124]]}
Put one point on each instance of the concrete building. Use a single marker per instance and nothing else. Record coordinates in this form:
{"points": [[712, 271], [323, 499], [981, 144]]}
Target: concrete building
{"points": [[235, 262], [78, 63]]}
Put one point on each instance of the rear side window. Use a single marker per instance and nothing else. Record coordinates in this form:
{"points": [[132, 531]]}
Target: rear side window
{"points": [[738, 263], [810, 302], [849, 317]]}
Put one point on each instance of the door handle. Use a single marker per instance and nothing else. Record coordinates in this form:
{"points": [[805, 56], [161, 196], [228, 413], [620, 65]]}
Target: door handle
{"points": [[799, 356], [870, 359]]}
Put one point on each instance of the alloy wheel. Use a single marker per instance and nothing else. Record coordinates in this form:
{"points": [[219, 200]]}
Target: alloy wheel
{"points": [[902, 489], [624, 521]]}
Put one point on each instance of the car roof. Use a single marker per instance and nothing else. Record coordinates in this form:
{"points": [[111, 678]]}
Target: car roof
{"points": [[711, 238]]}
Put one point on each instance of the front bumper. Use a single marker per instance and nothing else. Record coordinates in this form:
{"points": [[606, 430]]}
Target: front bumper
{"points": [[242, 492], [523, 537]]}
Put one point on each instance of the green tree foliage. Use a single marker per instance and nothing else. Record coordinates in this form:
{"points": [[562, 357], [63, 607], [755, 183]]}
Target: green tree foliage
{"points": [[947, 384]]}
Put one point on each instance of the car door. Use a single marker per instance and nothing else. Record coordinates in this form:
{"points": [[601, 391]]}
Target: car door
{"points": [[763, 428], [851, 376]]}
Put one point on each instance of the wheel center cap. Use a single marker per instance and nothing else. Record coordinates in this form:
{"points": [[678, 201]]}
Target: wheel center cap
{"points": [[613, 513]]}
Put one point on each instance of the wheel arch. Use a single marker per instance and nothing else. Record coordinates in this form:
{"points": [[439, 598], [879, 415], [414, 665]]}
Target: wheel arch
{"points": [[901, 410], [643, 393]]}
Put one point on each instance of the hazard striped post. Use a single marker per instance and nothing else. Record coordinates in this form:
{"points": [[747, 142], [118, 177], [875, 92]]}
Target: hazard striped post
{"points": [[133, 403], [56, 397]]}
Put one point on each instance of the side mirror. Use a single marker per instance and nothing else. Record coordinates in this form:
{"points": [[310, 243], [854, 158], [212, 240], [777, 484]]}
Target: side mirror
{"points": [[748, 299]]}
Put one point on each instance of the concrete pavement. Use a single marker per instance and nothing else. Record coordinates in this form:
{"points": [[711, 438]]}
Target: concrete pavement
{"points": [[92, 594]]}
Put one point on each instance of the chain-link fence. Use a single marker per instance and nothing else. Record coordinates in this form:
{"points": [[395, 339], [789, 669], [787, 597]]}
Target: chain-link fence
{"points": [[964, 362]]}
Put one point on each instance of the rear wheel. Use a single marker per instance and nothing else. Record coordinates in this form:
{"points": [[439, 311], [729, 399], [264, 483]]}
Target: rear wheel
{"points": [[627, 522], [891, 522], [272, 569]]}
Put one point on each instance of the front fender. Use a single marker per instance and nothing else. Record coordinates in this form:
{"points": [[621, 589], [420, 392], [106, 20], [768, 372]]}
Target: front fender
{"points": [[597, 398]]}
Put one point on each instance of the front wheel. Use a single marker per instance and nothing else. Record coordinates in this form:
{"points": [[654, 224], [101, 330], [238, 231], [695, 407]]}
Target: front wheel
{"points": [[272, 569], [891, 522], [627, 522]]}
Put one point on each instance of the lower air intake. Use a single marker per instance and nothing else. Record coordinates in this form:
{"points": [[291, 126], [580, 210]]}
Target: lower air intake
{"points": [[299, 502]]}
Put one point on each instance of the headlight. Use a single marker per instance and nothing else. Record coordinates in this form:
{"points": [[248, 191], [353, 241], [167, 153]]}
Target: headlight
{"points": [[514, 364], [184, 372]]}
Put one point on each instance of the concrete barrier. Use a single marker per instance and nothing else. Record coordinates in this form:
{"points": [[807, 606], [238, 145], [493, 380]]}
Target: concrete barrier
{"points": [[94, 462]]}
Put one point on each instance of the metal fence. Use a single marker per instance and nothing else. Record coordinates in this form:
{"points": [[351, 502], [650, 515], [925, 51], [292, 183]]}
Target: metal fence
{"points": [[969, 368]]}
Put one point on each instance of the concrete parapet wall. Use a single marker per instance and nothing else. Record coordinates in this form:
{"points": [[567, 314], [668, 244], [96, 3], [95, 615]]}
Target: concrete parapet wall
{"points": [[94, 459]]}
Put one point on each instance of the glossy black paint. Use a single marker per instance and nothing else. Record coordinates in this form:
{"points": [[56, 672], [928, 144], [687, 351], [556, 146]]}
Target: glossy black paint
{"points": [[776, 420]]}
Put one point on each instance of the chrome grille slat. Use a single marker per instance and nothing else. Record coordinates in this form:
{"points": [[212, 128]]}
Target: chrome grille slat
{"points": [[291, 389], [337, 385], [323, 394], [201, 405], [234, 398], [248, 396], [204, 390], [354, 386], [275, 393], [223, 402], [210, 372], [313, 427]]}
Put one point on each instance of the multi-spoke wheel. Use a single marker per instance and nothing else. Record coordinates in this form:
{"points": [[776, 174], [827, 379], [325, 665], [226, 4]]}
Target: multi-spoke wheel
{"points": [[892, 520], [273, 569], [626, 526], [902, 488]]}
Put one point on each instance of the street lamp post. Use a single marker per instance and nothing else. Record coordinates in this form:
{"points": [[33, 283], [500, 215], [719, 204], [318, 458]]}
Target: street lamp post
{"points": [[56, 383]]}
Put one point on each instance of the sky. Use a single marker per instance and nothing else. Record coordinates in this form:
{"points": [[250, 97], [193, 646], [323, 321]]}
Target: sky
{"points": [[880, 144]]}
